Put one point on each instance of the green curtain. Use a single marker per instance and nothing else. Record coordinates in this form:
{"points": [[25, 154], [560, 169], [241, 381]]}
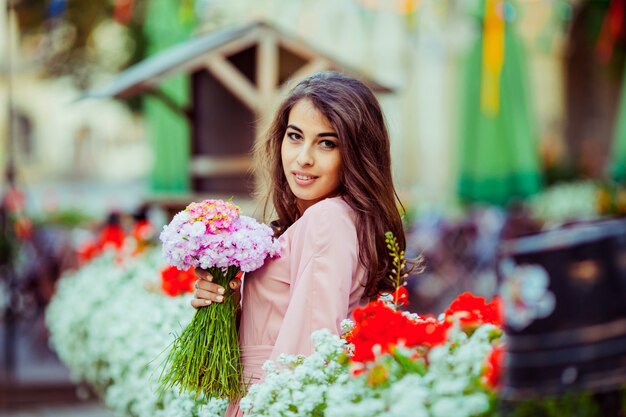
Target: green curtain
{"points": [[618, 155], [165, 26], [499, 155]]}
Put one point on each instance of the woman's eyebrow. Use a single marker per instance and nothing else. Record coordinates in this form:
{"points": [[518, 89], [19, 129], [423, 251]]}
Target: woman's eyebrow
{"points": [[295, 128], [320, 135]]}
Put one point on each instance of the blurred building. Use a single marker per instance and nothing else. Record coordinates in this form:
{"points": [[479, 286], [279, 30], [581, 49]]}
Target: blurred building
{"points": [[55, 137], [417, 48]]}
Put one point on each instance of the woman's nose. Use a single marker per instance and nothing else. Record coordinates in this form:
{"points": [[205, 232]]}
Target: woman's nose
{"points": [[305, 157]]}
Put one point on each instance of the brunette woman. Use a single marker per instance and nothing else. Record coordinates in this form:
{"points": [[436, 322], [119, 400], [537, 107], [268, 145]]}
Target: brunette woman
{"points": [[328, 159]]}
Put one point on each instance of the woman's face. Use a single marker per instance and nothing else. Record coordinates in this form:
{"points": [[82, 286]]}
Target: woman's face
{"points": [[310, 155]]}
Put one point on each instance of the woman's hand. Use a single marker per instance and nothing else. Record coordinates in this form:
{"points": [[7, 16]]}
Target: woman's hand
{"points": [[207, 292]]}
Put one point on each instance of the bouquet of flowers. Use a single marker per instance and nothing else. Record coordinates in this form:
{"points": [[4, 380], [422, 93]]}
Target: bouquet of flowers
{"points": [[212, 235]]}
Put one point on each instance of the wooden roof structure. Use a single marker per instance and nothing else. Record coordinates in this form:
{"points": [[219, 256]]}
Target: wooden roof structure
{"points": [[212, 50], [238, 76]]}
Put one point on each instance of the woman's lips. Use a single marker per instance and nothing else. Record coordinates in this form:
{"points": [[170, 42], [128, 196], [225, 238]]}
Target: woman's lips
{"points": [[303, 179]]}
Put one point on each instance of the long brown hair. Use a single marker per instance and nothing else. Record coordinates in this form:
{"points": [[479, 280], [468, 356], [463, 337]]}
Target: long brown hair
{"points": [[367, 184]]}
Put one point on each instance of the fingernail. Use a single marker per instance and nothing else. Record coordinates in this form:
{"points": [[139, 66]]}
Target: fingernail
{"points": [[219, 298], [221, 290], [207, 302]]}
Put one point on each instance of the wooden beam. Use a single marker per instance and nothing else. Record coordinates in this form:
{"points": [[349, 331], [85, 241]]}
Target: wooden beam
{"points": [[267, 67], [239, 44], [206, 166], [298, 48], [233, 79], [318, 64], [169, 102], [230, 48], [267, 78]]}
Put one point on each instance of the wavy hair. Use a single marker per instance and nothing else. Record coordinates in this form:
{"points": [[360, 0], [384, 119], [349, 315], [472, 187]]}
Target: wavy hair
{"points": [[366, 179]]}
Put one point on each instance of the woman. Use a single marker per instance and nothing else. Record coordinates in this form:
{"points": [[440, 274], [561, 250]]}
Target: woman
{"points": [[330, 183]]}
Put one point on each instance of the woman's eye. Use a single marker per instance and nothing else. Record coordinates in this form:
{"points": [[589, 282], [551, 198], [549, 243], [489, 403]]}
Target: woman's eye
{"points": [[293, 136], [328, 144]]}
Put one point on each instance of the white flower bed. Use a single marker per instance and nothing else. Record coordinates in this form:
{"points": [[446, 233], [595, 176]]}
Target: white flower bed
{"points": [[566, 202], [320, 385], [111, 331]]}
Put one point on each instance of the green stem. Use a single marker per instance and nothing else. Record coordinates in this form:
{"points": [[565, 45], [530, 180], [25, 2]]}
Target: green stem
{"points": [[205, 357]]}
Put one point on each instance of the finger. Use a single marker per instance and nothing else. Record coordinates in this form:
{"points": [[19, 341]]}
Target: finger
{"points": [[197, 303], [203, 274], [235, 283], [211, 296], [209, 286]]}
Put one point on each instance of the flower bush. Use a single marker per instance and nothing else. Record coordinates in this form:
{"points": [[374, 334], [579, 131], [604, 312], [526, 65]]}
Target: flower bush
{"points": [[397, 364], [113, 320], [566, 202], [110, 323]]}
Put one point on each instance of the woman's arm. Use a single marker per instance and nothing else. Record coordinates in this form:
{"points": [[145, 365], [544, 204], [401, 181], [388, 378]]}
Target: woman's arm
{"points": [[322, 272]]}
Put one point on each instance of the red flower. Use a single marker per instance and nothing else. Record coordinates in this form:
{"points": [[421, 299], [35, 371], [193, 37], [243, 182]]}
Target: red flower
{"points": [[175, 282], [401, 296], [14, 200], [113, 235], [23, 228], [88, 251], [143, 230], [474, 311], [379, 328], [427, 332], [493, 367]]}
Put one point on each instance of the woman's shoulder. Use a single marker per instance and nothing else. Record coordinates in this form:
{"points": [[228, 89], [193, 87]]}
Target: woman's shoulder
{"points": [[332, 205], [329, 210], [328, 219], [324, 225]]}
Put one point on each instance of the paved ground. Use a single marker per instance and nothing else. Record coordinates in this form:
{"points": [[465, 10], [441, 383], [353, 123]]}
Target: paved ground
{"points": [[41, 385], [90, 409]]}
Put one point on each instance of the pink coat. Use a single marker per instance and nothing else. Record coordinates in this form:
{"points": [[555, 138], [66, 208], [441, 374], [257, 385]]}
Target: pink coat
{"points": [[316, 283]]}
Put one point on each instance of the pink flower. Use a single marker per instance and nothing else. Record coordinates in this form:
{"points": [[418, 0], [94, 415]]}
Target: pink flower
{"points": [[213, 234]]}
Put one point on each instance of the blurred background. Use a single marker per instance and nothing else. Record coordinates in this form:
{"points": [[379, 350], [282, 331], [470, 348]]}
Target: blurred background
{"points": [[506, 118]]}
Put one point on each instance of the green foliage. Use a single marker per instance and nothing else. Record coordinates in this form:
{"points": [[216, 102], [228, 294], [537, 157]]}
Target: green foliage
{"points": [[82, 17], [571, 404], [7, 247], [408, 365], [69, 218], [397, 256]]}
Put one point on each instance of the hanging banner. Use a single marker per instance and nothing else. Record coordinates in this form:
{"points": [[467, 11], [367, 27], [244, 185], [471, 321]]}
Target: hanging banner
{"points": [[186, 11], [493, 56], [612, 29], [123, 11], [56, 8]]}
